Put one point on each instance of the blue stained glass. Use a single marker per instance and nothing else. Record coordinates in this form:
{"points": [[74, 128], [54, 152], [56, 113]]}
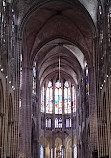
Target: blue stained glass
{"points": [[34, 78], [87, 80], [67, 98], [56, 101], [49, 98], [73, 99], [42, 99], [58, 98]]}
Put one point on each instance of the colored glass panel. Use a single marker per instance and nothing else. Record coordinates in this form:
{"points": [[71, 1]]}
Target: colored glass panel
{"points": [[56, 123], [87, 81], [19, 103], [49, 98], [73, 99], [60, 101], [67, 98], [42, 100], [58, 98], [34, 78], [69, 101], [47, 101]]}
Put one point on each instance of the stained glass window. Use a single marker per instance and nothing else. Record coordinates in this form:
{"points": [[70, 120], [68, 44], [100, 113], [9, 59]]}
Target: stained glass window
{"points": [[42, 100], [41, 152], [49, 98], [4, 10], [73, 99], [20, 71], [12, 32], [67, 98], [51, 152], [87, 81], [61, 151], [19, 103], [58, 98], [75, 151], [58, 123], [48, 123], [34, 78], [68, 123]]}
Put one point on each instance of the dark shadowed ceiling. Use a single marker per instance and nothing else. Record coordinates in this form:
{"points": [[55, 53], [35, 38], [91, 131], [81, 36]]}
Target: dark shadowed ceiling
{"points": [[60, 30]]}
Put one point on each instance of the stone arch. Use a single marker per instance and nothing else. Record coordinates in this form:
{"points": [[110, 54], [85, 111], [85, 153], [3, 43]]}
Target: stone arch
{"points": [[68, 148], [28, 14], [37, 35], [58, 145], [1, 115], [35, 46]]}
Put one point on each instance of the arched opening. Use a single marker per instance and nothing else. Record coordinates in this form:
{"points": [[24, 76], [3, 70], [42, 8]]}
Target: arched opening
{"points": [[58, 47], [57, 55]]}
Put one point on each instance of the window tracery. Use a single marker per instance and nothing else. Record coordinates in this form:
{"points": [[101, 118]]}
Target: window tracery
{"points": [[48, 123], [87, 81], [49, 98], [68, 122], [75, 151], [42, 100], [34, 78], [58, 96], [67, 98], [58, 123], [73, 99]]}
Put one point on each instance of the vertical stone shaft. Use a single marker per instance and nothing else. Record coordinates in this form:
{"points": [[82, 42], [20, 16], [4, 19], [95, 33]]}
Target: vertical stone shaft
{"points": [[26, 112]]}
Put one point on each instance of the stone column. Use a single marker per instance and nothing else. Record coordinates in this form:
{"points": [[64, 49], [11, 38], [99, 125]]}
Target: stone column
{"points": [[92, 110], [110, 117], [53, 144], [38, 114], [63, 119], [53, 125], [53, 120], [26, 112], [50, 151], [45, 120], [1, 134], [72, 122]]}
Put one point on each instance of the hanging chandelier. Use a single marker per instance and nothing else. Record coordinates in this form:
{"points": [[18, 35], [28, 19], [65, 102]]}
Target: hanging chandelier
{"points": [[59, 68]]}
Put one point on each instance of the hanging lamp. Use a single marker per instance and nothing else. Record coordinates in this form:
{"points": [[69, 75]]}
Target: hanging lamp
{"points": [[59, 68]]}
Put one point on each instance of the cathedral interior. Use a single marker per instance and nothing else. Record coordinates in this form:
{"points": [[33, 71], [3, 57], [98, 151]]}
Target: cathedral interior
{"points": [[55, 78]]}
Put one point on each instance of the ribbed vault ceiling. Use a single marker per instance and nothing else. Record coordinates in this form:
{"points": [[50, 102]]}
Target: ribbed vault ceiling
{"points": [[59, 29]]}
